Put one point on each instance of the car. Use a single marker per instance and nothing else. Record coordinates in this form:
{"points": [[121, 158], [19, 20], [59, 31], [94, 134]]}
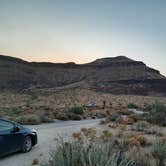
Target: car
{"points": [[15, 137]]}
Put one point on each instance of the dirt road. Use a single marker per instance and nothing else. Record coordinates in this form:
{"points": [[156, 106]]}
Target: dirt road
{"points": [[47, 133]]}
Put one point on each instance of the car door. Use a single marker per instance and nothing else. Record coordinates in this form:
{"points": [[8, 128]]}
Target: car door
{"points": [[5, 142], [17, 136], [2, 143], [9, 139]]}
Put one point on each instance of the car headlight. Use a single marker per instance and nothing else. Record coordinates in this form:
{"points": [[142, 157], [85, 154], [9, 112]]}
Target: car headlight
{"points": [[34, 131]]}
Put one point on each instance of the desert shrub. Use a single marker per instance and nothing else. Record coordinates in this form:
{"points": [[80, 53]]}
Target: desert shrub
{"points": [[142, 140], [122, 144], [102, 122], [143, 126], [77, 110], [140, 126], [159, 152], [125, 121], [77, 136], [122, 127], [46, 119], [156, 106], [148, 107], [101, 114], [138, 140], [143, 160], [140, 157], [134, 142], [61, 116], [157, 114], [35, 162], [46, 116], [113, 117], [34, 97], [11, 111], [132, 106], [85, 135], [112, 153], [88, 131], [75, 116], [76, 154], [107, 134], [29, 119], [136, 117], [124, 112]]}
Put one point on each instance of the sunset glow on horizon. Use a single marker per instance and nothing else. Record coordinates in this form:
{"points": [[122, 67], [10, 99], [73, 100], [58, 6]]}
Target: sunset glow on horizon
{"points": [[82, 31]]}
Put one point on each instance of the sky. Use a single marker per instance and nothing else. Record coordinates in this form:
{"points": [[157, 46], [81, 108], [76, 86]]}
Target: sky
{"points": [[84, 30]]}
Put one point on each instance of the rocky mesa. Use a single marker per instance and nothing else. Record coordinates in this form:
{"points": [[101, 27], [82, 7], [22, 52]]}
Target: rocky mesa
{"points": [[116, 75]]}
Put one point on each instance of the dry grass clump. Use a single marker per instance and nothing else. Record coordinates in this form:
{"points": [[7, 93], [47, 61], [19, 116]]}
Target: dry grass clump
{"points": [[61, 116], [106, 135], [86, 134], [33, 119], [122, 127], [137, 117], [35, 162], [138, 141], [147, 128], [125, 121], [29, 119], [140, 126]]}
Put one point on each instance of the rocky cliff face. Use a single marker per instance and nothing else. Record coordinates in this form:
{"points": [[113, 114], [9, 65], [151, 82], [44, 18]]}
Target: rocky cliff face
{"points": [[119, 75]]}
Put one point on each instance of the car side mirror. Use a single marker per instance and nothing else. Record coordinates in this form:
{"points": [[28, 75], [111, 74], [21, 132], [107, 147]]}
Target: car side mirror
{"points": [[16, 129]]}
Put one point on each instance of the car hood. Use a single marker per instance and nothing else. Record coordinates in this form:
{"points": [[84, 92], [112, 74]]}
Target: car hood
{"points": [[29, 130]]}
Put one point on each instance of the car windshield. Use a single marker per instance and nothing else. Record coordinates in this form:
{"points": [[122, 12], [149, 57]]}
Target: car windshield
{"points": [[4, 125]]}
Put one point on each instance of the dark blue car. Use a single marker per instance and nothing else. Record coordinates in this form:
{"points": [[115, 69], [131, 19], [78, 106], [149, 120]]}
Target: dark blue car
{"points": [[14, 137]]}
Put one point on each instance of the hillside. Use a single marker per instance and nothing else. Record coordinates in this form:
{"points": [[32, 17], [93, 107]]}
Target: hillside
{"points": [[118, 75]]}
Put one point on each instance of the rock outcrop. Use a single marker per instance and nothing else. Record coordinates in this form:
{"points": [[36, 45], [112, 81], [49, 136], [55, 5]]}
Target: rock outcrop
{"points": [[118, 75]]}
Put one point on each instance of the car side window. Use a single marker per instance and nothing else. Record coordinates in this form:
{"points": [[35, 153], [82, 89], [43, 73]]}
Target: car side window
{"points": [[4, 125]]}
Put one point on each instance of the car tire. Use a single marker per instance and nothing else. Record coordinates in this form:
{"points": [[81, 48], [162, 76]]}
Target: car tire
{"points": [[27, 144]]}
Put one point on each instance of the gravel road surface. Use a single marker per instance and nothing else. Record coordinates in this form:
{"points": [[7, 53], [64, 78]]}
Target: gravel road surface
{"points": [[47, 134]]}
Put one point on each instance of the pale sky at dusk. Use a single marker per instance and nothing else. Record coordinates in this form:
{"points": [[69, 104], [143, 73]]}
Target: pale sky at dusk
{"points": [[84, 30]]}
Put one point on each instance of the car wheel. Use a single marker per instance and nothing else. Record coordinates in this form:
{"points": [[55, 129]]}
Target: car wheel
{"points": [[27, 144]]}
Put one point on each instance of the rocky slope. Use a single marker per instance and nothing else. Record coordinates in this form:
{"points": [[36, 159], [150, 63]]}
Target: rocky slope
{"points": [[118, 75]]}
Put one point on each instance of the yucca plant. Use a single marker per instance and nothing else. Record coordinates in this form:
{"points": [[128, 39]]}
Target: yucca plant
{"points": [[99, 154], [122, 144], [159, 152], [66, 154], [76, 154], [141, 159]]}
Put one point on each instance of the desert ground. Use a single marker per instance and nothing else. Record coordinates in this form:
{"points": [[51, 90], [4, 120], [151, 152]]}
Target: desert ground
{"points": [[46, 105], [128, 123]]}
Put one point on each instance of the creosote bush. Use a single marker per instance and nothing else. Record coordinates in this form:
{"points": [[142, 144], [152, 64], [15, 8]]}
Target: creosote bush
{"points": [[77, 110], [132, 106], [157, 114]]}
